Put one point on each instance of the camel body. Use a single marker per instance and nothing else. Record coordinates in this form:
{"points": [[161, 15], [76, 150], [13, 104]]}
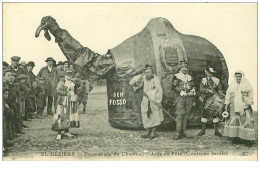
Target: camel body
{"points": [[158, 44]]}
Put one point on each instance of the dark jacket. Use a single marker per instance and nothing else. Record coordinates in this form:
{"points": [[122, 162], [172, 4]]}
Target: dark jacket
{"points": [[51, 80]]}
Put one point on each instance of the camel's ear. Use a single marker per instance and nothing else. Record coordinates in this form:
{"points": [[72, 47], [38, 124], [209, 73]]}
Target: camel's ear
{"points": [[47, 35]]}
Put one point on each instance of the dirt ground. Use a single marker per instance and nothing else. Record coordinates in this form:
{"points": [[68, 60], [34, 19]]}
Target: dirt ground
{"points": [[97, 140]]}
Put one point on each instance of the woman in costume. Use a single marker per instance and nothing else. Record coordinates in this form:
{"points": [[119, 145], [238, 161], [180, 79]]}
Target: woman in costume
{"points": [[66, 115], [239, 98]]}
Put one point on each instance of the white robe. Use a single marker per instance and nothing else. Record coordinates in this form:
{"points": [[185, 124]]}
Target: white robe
{"points": [[154, 91]]}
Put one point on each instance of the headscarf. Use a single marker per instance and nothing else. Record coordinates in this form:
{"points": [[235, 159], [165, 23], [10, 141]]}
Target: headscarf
{"points": [[235, 88]]}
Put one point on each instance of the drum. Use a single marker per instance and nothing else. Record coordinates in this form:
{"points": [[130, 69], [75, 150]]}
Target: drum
{"points": [[215, 104]]}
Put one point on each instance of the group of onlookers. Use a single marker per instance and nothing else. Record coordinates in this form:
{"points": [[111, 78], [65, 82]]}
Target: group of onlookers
{"points": [[26, 95]]}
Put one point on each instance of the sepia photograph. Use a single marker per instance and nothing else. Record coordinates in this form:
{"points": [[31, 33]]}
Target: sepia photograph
{"points": [[129, 81]]}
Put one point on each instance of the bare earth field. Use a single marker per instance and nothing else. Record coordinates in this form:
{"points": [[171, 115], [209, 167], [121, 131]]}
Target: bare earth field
{"points": [[97, 140]]}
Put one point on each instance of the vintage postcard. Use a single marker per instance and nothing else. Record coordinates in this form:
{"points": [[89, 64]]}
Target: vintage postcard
{"points": [[129, 81]]}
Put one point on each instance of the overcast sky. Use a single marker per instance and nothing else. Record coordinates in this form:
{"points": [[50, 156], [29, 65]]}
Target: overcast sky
{"points": [[231, 27]]}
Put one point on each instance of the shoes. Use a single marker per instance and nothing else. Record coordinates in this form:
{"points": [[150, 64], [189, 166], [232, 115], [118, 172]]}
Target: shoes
{"points": [[68, 134], [145, 136], [202, 132], [9, 144], [24, 126], [20, 132], [177, 137], [50, 113], [58, 137], [218, 134]]}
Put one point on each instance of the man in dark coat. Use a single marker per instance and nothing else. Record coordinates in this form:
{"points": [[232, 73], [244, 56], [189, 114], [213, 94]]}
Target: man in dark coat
{"points": [[31, 76], [49, 73]]}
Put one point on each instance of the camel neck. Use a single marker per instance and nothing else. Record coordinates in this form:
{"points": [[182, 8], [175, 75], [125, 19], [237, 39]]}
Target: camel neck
{"points": [[54, 29]]}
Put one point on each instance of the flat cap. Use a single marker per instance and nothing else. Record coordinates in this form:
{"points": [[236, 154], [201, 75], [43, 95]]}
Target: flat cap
{"points": [[22, 63], [69, 71], [60, 63], [16, 58]]}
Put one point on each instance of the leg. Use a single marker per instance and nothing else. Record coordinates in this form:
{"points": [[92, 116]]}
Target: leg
{"points": [[153, 133], [67, 133], [180, 112], [49, 106], [204, 121], [149, 130], [58, 135], [216, 121], [84, 107], [188, 107]]}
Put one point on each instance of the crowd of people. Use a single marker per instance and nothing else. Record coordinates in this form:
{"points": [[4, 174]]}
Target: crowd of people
{"points": [[59, 89], [25, 96], [235, 108]]}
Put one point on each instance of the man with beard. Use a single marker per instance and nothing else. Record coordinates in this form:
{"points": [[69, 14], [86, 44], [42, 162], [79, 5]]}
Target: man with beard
{"points": [[152, 114], [49, 73]]}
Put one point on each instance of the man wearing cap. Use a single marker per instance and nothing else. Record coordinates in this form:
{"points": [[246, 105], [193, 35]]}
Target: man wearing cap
{"points": [[152, 114], [209, 86], [184, 88], [15, 65], [49, 73]]}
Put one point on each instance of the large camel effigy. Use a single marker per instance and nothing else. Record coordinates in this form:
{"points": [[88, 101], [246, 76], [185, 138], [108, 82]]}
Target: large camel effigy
{"points": [[158, 44]]}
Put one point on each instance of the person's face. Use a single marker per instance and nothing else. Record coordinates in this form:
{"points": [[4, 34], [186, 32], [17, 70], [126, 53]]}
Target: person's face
{"points": [[66, 65], [22, 81], [61, 66], [208, 74], [68, 77], [62, 78], [184, 70], [30, 68], [22, 66], [8, 76], [15, 63], [50, 63], [148, 73], [41, 82], [6, 94], [238, 77]]}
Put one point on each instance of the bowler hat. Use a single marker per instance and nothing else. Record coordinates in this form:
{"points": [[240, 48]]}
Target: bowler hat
{"points": [[15, 58], [31, 63], [50, 59], [60, 63]]}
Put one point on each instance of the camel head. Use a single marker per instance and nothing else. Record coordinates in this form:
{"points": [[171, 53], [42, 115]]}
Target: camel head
{"points": [[46, 23]]}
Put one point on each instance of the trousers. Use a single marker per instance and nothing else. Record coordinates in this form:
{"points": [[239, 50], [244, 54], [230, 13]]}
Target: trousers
{"points": [[183, 111]]}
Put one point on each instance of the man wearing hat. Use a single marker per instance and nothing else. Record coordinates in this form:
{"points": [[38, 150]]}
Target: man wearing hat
{"points": [[152, 114], [31, 76], [184, 88], [209, 86], [49, 73], [15, 65]]}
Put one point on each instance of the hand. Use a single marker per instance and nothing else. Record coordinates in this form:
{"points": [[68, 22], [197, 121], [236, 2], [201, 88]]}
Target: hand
{"points": [[210, 91], [201, 99]]}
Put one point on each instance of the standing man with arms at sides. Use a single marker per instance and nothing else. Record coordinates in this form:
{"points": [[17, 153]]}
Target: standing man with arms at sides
{"points": [[49, 73], [183, 86], [31, 76], [152, 114], [209, 86]]}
